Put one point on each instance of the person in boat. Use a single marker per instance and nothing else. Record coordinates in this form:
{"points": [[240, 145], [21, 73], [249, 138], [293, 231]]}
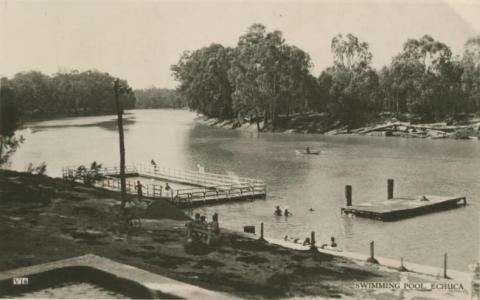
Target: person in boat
{"points": [[307, 150], [278, 211], [286, 213], [203, 220]]}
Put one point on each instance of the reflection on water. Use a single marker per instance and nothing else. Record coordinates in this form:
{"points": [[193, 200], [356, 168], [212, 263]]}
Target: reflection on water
{"points": [[419, 166], [110, 124]]}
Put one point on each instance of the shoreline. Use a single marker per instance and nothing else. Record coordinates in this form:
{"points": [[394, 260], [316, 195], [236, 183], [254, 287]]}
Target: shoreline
{"points": [[383, 261], [388, 128], [52, 216]]}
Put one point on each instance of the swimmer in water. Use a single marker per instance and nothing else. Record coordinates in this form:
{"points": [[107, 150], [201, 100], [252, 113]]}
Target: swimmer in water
{"points": [[278, 211]]}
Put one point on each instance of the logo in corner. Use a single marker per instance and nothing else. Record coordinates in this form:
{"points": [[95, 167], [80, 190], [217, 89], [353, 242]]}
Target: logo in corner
{"points": [[20, 280]]}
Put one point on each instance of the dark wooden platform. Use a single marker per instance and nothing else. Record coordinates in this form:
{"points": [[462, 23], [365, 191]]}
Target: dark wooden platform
{"points": [[401, 208]]}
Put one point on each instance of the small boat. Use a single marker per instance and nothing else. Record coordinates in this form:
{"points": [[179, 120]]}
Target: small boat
{"points": [[308, 153], [311, 153]]}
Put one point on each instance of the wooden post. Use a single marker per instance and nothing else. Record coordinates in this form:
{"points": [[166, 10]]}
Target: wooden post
{"points": [[390, 188], [372, 259], [261, 232], [348, 194], [445, 265], [313, 248], [402, 267], [123, 192], [209, 234]]}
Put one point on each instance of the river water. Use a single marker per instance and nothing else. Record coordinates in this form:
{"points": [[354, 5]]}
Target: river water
{"points": [[299, 182]]}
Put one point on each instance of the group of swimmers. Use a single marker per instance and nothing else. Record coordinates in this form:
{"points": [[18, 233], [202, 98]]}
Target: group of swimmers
{"points": [[308, 242], [278, 212]]}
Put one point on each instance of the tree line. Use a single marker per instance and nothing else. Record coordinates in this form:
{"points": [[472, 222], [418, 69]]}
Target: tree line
{"points": [[159, 98], [65, 93], [263, 78]]}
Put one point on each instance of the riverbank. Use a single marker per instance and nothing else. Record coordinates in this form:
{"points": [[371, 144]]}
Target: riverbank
{"points": [[468, 129], [44, 219]]}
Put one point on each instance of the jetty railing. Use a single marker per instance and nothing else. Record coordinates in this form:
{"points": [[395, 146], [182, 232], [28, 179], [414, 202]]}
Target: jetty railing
{"points": [[204, 194], [193, 177], [148, 190], [70, 172]]}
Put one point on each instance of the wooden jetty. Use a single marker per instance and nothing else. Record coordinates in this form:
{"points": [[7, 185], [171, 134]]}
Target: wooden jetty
{"points": [[396, 208], [202, 187]]}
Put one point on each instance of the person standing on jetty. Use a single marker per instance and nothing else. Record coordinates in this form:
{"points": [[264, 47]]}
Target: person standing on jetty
{"points": [[139, 189], [154, 164]]}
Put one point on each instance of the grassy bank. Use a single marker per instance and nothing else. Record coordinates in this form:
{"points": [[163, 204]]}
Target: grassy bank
{"points": [[44, 219]]}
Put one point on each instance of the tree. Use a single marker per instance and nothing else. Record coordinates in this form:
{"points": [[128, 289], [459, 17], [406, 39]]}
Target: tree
{"points": [[350, 53], [471, 76], [204, 81], [424, 80], [9, 121], [350, 86], [269, 75]]}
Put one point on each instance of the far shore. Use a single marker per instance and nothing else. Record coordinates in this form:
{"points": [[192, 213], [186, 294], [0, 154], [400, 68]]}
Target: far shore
{"points": [[43, 219], [313, 124]]}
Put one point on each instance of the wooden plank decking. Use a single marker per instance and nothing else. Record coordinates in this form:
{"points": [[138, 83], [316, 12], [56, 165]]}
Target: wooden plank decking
{"points": [[404, 207], [204, 188]]}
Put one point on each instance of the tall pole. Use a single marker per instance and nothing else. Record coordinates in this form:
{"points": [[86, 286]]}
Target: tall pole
{"points": [[123, 185], [348, 194], [390, 189]]}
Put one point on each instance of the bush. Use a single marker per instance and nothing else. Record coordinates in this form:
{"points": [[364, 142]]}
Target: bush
{"points": [[36, 170]]}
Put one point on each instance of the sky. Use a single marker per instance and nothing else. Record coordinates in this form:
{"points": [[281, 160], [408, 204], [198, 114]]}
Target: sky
{"points": [[140, 40]]}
